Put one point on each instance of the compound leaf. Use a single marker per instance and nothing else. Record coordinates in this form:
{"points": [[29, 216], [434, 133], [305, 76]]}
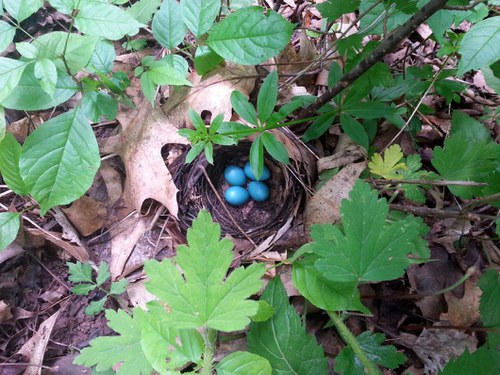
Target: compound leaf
{"points": [[9, 226], [388, 166], [60, 159], [268, 94], [168, 28], [79, 272], [368, 249], [243, 108], [201, 295], [282, 339], [250, 36]]}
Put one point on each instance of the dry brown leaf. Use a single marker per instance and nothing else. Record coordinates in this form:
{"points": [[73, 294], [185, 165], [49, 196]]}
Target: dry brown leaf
{"points": [[87, 215], [5, 313], [348, 155], [464, 312], [113, 181], [77, 252], [138, 294], [324, 206], [11, 251]]}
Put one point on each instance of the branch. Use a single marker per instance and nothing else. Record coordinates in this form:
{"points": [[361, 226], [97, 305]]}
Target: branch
{"points": [[385, 47]]}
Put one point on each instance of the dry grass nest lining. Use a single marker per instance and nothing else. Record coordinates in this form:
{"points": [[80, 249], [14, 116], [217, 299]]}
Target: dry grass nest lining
{"points": [[258, 220]]}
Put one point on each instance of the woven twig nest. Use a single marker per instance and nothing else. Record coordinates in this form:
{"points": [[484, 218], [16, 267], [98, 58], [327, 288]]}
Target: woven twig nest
{"points": [[202, 185]]}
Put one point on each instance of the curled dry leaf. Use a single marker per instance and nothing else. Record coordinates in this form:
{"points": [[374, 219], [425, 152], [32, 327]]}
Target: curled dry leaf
{"points": [[78, 252]]}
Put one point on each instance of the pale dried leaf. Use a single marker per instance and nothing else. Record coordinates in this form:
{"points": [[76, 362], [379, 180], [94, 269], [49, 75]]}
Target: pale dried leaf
{"points": [[69, 232], [464, 312], [138, 295], [349, 155], [5, 313], [87, 215], [77, 252], [12, 250]]}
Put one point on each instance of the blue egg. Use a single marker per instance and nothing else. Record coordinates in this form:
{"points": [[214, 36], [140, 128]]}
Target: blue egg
{"points": [[236, 196], [258, 191], [248, 171], [235, 175]]}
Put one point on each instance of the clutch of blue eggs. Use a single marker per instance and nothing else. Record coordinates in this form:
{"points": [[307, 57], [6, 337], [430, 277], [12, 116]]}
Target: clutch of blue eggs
{"points": [[244, 186]]}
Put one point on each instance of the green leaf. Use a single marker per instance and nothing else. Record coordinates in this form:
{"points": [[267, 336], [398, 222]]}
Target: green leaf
{"points": [[199, 15], [243, 108], [318, 127], [95, 307], [264, 313], [10, 152], [375, 22], [79, 272], [368, 249], [168, 26], [7, 33], [10, 73], [324, 293], [275, 148], [22, 9], [250, 36], [3, 124], [76, 49], [384, 355], [161, 73], [83, 289], [282, 340], [479, 46], [143, 10], [489, 304], [483, 361], [201, 295], [354, 130], [463, 160], [105, 20], [177, 62], [257, 157], [209, 152], [473, 130], [9, 226], [388, 166], [206, 60], [148, 87], [103, 57], [103, 274], [268, 94], [63, 6], [118, 287], [369, 110], [195, 150], [334, 9], [60, 159], [46, 72], [106, 352], [27, 50], [97, 104], [243, 363]]}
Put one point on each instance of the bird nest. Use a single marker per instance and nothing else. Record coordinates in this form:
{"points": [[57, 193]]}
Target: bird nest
{"points": [[202, 185]]}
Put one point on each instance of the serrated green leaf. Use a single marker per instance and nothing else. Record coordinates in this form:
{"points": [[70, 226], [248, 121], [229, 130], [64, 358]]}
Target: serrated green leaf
{"points": [[10, 152], [333, 9], [143, 10], [250, 36], [7, 33], [99, 104], [368, 250], [95, 307], [202, 295], [282, 340], [384, 355], [106, 352], [105, 20], [265, 312], [103, 274], [168, 25], [354, 130], [118, 287], [324, 293], [243, 108], [199, 15], [22, 9], [489, 304], [103, 57], [9, 226], [28, 94], [243, 363], [388, 166], [479, 46], [268, 94], [10, 73], [275, 148], [206, 60], [79, 272], [483, 361], [60, 159], [257, 157], [82, 289], [46, 72]]}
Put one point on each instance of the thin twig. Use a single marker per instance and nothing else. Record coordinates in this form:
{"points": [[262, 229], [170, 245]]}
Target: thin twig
{"points": [[431, 182], [442, 214]]}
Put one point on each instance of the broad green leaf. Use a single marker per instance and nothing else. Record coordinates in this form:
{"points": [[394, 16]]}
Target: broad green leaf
{"points": [[318, 127], [64, 6], [103, 56], [95, 307], [7, 33], [161, 73], [99, 104], [22, 9], [206, 60], [28, 50], [10, 73], [387, 356], [268, 94], [126, 349], [479, 46], [492, 80], [28, 95], [177, 62], [168, 26], [333, 9], [143, 10], [46, 72], [9, 226], [79, 272], [489, 304], [199, 15], [3, 123], [250, 36], [439, 22], [201, 295], [388, 166], [323, 293], [77, 52], [265, 312], [376, 19], [463, 160], [10, 152], [105, 20], [60, 159], [243, 363], [282, 340], [148, 87], [354, 130], [368, 249], [369, 110], [275, 148], [483, 361], [243, 108], [472, 129], [257, 157]]}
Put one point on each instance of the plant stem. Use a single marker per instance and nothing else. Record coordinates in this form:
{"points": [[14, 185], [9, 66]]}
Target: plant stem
{"points": [[209, 337], [350, 340]]}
